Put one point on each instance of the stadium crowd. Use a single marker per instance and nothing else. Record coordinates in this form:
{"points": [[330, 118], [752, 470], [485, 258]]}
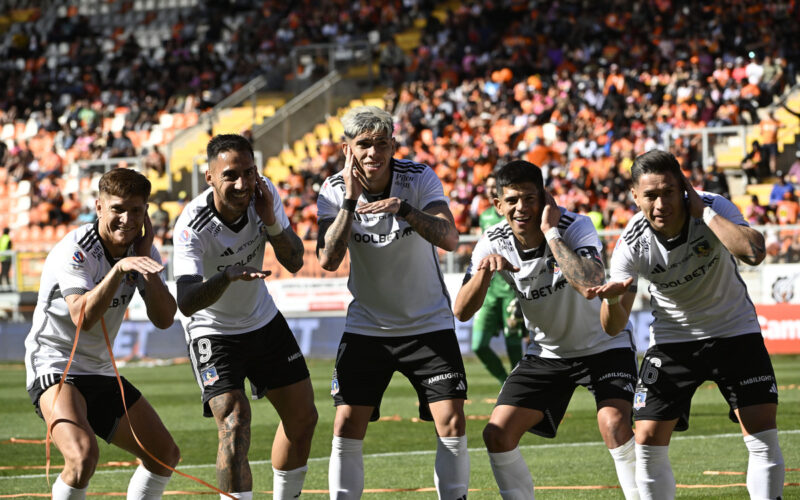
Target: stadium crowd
{"points": [[579, 89]]}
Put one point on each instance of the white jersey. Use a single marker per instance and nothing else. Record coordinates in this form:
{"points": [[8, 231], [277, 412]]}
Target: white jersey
{"points": [[77, 264], [205, 245], [564, 323], [695, 287], [397, 286]]}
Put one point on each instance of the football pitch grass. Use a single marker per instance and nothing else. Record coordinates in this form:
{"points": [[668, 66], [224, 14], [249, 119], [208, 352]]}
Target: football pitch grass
{"points": [[709, 459]]}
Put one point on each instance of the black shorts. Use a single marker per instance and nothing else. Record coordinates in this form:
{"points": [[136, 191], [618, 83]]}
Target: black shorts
{"points": [[269, 357], [547, 384], [670, 374], [365, 365], [103, 400]]}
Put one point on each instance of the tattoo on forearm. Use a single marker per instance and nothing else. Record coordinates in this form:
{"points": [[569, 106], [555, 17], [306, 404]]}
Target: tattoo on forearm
{"points": [[756, 251], [288, 249], [432, 228], [580, 271], [337, 236], [233, 468]]}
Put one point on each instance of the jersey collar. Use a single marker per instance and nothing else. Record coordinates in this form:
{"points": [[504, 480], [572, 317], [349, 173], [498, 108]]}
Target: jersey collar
{"points": [[536, 253], [673, 243], [235, 226]]}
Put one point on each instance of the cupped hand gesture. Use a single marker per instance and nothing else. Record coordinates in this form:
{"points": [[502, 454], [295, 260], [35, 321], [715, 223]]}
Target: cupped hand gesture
{"points": [[245, 273], [610, 290], [496, 262], [550, 214], [352, 175]]}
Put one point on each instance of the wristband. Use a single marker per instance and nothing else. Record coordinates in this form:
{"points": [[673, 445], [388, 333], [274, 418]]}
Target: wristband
{"points": [[708, 214], [404, 209], [349, 205], [552, 234], [613, 300], [275, 229]]}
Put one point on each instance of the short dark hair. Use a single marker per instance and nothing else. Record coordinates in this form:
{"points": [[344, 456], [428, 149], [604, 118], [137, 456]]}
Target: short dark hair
{"points": [[125, 183], [655, 162], [518, 172], [228, 142]]}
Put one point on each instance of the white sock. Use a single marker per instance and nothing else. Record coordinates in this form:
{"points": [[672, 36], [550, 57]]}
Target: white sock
{"points": [[288, 483], [451, 469], [765, 469], [512, 475], [145, 485], [346, 469], [244, 495], [654, 473], [625, 461], [62, 491]]}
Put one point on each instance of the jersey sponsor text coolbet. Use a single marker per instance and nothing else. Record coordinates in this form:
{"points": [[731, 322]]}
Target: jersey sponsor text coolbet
{"points": [[77, 264], [565, 324], [395, 279], [691, 276], [205, 245]]}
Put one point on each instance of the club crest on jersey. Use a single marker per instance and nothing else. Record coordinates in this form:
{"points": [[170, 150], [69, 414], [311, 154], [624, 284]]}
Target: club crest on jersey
{"points": [[552, 265], [639, 400], [702, 249], [209, 376], [78, 257], [130, 278], [334, 384]]}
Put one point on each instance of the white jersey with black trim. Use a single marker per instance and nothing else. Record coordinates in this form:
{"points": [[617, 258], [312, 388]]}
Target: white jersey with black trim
{"points": [[397, 286], [695, 288], [563, 322], [75, 265], [205, 245]]}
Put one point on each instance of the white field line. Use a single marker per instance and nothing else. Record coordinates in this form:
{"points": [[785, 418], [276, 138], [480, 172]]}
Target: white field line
{"points": [[127, 470]]}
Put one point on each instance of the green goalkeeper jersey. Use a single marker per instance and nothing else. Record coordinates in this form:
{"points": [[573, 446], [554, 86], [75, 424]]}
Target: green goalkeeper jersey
{"points": [[498, 286]]}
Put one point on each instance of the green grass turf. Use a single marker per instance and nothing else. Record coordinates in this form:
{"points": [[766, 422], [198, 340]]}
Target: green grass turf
{"points": [[399, 454]]}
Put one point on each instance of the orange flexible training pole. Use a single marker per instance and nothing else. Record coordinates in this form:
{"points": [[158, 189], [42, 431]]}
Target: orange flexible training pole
{"points": [[125, 406]]}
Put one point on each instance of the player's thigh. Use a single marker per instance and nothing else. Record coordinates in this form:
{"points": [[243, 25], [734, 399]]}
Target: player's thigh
{"points": [[757, 418], [507, 424], [143, 422], [294, 404], [68, 421]]}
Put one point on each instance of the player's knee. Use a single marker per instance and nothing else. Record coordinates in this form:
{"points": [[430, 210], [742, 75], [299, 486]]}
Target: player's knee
{"points": [[496, 440], [301, 427], [172, 454], [453, 424], [614, 427], [80, 461]]}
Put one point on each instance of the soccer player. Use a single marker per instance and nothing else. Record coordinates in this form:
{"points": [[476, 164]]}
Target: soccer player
{"points": [[551, 258], [392, 215], [233, 327], [499, 309], [95, 270], [704, 323]]}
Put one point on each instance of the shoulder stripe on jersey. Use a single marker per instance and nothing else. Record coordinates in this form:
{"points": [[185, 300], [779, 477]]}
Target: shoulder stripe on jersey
{"points": [[499, 233], [88, 240], [410, 169], [409, 165], [565, 221], [336, 181], [635, 231], [203, 218], [201, 213], [708, 200]]}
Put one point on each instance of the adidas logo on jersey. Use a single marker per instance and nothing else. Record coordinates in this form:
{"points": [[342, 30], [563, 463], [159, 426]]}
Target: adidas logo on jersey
{"points": [[658, 269], [227, 252]]}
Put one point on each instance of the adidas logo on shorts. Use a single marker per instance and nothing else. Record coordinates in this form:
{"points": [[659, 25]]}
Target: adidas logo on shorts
{"points": [[461, 386]]}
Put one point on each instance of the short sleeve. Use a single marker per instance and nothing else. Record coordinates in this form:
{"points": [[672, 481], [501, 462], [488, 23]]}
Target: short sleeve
{"points": [[76, 272], [727, 209], [431, 190], [622, 264], [328, 203], [582, 234], [188, 251], [277, 205]]}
